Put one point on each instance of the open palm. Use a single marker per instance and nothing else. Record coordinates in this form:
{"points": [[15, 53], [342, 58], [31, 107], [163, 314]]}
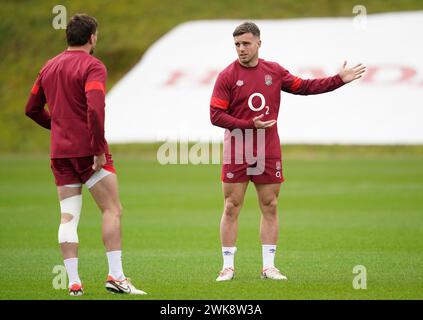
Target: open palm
{"points": [[351, 74]]}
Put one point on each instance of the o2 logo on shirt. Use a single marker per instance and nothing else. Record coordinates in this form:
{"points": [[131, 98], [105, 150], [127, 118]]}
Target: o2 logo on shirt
{"points": [[263, 103]]}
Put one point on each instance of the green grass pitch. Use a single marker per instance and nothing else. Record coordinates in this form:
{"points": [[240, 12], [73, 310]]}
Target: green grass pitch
{"points": [[339, 207]]}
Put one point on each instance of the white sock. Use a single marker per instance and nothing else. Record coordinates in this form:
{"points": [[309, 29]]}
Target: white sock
{"points": [[268, 251], [71, 266], [115, 264], [228, 254]]}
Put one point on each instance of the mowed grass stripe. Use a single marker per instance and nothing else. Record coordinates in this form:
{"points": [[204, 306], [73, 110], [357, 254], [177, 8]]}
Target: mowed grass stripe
{"points": [[335, 213]]}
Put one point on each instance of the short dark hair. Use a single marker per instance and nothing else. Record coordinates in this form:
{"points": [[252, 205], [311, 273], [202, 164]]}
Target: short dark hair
{"points": [[80, 28], [247, 27]]}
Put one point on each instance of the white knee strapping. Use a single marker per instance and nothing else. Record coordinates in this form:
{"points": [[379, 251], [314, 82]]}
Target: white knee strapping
{"points": [[68, 231], [73, 185], [96, 177]]}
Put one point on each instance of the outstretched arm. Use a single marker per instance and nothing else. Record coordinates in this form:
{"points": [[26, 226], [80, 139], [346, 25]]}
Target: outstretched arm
{"points": [[296, 85], [350, 74]]}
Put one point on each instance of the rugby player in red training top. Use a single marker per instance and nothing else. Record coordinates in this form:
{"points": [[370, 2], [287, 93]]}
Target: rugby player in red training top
{"points": [[73, 85], [245, 101]]}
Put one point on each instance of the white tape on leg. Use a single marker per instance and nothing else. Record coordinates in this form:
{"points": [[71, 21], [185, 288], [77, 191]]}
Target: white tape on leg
{"points": [[97, 177], [73, 185], [68, 232]]}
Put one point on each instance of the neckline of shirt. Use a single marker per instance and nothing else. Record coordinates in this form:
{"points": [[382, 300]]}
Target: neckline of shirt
{"points": [[82, 51], [250, 68]]}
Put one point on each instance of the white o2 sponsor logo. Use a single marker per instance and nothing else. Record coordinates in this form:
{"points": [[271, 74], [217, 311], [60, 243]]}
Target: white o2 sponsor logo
{"points": [[262, 105]]}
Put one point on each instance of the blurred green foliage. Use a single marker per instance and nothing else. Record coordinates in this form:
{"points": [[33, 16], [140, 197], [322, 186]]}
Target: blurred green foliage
{"points": [[127, 29]]}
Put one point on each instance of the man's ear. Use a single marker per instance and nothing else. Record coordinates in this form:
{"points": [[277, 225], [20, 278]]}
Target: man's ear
{"points": [[91, 40], [259, 43]]}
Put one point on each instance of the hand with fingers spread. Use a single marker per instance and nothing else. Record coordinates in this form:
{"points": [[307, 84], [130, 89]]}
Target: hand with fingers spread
{"points": [[351, 74], [263, 124]]}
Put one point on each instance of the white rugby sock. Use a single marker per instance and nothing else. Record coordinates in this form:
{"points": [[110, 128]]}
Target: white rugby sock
{"points": [[115, 264], [71, 266], [268, 251], [228, 254]]}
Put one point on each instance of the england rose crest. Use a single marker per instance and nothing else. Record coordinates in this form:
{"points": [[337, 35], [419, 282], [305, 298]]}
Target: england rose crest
{"points": [[268, 79], [278, 165]]}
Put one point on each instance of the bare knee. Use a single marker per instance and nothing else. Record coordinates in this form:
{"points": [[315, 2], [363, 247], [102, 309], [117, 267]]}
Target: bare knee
{"points": [[232, 208], [270, 206], [114, 211]]}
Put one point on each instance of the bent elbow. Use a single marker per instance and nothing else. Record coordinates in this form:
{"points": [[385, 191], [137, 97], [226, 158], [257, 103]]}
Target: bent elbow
{"points": [[214, 116], [213, 119], [28, 113]]}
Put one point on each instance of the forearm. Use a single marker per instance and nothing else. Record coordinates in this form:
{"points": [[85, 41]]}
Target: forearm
{"points": [[95, 116], [221, 119], [317, 86], [34, 109], [42, 118]]}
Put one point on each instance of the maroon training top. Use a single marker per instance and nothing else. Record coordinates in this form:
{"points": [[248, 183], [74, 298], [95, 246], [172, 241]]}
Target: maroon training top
{"points": [[73, 85], [241, 93]]}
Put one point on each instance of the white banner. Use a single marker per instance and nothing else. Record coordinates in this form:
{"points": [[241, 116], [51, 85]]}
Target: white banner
{"points": [[166, 95]]}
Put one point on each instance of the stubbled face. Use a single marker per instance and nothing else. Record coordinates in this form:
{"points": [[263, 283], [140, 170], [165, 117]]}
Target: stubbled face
{"points": [[93, 41], [247, 47]]}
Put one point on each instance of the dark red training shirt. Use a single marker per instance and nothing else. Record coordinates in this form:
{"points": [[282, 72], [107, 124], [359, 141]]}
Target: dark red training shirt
{"points": [[241, 93], [73, 85]]}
